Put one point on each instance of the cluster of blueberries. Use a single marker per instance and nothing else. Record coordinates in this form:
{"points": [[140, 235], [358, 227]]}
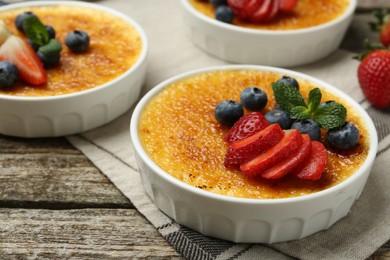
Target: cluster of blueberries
{"points": [[223, 12], [254, 99]]}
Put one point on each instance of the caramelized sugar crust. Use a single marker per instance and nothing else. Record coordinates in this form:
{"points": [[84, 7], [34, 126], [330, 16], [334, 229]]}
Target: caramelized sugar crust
{"points": [[307, 13], [115, 46], [179, 132]]}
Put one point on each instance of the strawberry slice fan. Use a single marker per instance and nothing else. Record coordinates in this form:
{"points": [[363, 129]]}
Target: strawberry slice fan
{"points": [[260, 10]]}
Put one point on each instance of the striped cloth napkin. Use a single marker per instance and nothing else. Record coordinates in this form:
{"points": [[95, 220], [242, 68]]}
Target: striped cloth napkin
{"points": [[357, 236]]}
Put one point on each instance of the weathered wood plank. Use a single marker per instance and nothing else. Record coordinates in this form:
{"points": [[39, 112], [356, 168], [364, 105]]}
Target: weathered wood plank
{"points": [[79, 234], [50, 173]]}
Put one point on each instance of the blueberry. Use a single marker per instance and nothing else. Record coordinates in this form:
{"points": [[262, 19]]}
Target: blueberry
{"points": [[9, 74], [77, 41], [33, 45], [323, 104], [344, 137], [20, 19], [289, 81], [278, 116], [50, 30], [253, 98], [49, 61], [224, 14], [228, 112], [308, 126], [217, 3]]}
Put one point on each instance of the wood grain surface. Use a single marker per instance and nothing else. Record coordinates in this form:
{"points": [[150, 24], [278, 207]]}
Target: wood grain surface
{"points": [[54, 203]]}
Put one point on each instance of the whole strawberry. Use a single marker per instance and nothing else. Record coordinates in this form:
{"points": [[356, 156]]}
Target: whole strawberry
{"points": [[382, 26], [374, 77]]}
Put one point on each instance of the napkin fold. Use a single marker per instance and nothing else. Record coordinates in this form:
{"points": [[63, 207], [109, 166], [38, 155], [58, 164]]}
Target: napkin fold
{"points": [[356, 236]]}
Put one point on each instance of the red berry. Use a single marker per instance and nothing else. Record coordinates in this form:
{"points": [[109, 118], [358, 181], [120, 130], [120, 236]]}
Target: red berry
{"points": [[374, 77], [287, 5], [288, 165], [314, 165], [19, 52], [246, 126], [243, 9], [290, 143], [246, 149]]}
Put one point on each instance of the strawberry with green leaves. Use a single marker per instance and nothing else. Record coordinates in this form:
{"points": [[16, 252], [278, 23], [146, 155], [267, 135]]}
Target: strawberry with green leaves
{"points": [[374, 75], [382, 25]]}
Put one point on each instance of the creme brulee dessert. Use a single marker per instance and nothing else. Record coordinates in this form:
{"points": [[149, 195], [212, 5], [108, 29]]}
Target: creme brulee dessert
{"points": [[307, 13], [114, 48], [180, 133]]}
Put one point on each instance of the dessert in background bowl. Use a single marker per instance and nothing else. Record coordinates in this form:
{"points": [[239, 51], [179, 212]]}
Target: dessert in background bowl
{"points": [[298, 37], [182, 148], [80, 87]]}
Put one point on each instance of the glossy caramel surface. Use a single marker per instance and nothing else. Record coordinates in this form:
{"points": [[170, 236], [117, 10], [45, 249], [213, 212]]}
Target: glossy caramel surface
{"points": [[307, 13], [179, 132], [115, 46]]}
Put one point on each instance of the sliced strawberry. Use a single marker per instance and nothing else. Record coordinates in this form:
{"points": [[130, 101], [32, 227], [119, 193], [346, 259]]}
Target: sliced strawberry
{"points": [[262, 13], [274, 10], [288, 165], [314, 165], [246, 149], [244, 8], [291, 141], [19, 52], [246, 126], [287, 5]]}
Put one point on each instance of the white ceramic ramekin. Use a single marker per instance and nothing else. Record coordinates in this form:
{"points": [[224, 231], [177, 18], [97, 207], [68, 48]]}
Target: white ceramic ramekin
{"points": [[76, 112], [250, 220], [286, 48]]}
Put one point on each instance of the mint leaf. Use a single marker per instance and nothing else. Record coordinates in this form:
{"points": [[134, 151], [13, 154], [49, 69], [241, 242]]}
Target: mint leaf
{"points": [[287, 96], [52, 48], [314, 100], [35, 30], [300, 112], [331, 115]]}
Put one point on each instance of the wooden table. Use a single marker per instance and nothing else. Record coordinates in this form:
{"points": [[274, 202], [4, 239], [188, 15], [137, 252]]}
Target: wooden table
{"points": [[54, 203]]}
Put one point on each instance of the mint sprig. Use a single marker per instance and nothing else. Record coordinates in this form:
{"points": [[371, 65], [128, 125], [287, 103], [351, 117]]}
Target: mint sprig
{"points": [[36, 31], [51, 48], [328, 115]]}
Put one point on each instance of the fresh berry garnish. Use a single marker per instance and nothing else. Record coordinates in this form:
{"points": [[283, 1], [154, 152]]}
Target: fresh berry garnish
{"points": [[49, 61], [278, 116], [289, 164], [224, 14], [9, 74], [374, 77], [327, 116], [345, 137], [4, 32], [289, 81], [217, 3], [308, 126], [26, 60], [253, 98], [260, 10], [290, 143], [314, 165], [246, 126], [246, 149], [19, 21], [287, 5], [77, 41], [51, 32], [382, 25], [228, 112]]}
